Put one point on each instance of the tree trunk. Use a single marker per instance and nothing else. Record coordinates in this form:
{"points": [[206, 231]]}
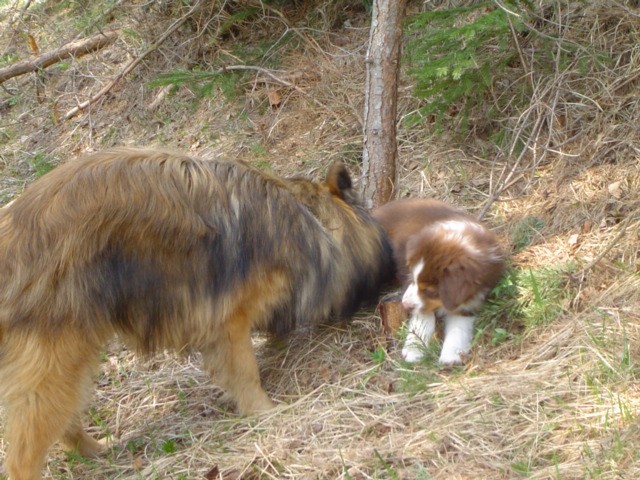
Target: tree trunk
{"points": [[381, 91]]}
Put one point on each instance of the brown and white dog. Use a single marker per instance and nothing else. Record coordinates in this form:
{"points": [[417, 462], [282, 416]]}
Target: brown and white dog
{"points": [[450, 262]]}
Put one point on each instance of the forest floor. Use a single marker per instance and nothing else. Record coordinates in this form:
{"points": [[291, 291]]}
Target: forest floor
{"points": [[552, 386]]}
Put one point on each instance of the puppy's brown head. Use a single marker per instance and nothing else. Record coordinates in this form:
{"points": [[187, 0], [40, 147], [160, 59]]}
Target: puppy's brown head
{"points": [[453, 264]]}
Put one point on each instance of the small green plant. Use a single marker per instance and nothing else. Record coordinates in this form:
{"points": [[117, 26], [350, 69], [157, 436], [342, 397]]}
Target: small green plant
{"points": [[521, 467], [227, 75], [344, 467], [542, 294], [260, 150], [496, 313], [8, 59], [135, 445], [418, 379], [500, 335], [204, 83], [97, 418], [63, 66], [261, 164], [91, 15], [237, 18], [169, 446], [378, 355], [41, 164], [525, 232], [524, 299], [390, 471]]}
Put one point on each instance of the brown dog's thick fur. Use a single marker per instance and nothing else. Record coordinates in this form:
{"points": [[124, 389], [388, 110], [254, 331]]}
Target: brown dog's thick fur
{"points": [[165, 251]]}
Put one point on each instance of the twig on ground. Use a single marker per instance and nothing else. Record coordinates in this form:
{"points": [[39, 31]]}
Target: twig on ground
{"points": [[132, 64], [623, 229]]}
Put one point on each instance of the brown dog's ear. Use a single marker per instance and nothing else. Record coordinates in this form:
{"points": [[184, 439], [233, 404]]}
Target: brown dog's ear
{"points": [[457, 285], [339, 181]]}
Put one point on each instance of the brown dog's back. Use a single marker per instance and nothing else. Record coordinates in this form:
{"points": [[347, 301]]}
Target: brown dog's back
{"points": [[166, 251]]}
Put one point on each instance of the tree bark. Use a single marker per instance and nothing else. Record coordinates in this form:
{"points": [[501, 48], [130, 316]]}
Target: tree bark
{"points": [[381, 91], [73, 49]]}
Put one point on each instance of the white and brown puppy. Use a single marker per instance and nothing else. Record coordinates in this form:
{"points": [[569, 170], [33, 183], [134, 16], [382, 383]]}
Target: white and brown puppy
{"points": [[450, 262]]}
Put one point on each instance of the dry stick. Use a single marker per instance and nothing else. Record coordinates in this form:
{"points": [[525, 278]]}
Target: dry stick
{"points": [[607, 249], [511, 179], [310, 40], [73, 49], [264, 71], [504, 184], [581, 275], [131, 65], [527, 71], [24, 9]]}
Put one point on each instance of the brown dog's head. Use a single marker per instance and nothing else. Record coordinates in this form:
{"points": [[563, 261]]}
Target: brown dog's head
{"points": [[352, 244], [337, 186]]}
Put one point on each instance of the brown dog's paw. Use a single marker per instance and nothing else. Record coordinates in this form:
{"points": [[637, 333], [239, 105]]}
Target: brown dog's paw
{"points": [[85, 445]]}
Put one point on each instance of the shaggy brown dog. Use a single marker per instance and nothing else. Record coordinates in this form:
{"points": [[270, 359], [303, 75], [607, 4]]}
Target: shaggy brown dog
{"points": [[165, 251], [450, 262]]}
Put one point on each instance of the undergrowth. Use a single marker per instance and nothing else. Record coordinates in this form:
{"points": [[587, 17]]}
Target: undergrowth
{"points": [[457, 55], [524, 299]]}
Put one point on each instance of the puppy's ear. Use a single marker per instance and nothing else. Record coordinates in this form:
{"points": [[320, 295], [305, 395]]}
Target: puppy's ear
{"points": [[457, 286], [339, 181]]}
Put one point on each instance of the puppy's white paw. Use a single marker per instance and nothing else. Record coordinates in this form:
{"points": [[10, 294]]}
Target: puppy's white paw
{"points": [[412, 353], [419, 334], [450, 360], [457, 340]]}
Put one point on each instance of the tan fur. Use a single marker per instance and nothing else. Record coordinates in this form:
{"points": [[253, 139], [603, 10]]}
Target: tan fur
{"points": [[166, 251]]}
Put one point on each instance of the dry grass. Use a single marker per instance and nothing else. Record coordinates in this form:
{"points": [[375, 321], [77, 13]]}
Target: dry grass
{"points": [[559, 400]]}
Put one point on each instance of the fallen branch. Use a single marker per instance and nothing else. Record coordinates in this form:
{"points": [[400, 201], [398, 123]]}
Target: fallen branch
{"points": [[74, 49], [621, 233], [131, 65]]}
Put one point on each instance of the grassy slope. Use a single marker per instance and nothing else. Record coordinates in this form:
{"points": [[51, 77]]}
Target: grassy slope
{"points": [[551, 390]]}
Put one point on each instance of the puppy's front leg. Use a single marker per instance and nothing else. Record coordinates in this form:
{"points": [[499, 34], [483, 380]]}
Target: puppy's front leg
{"points": [[420, 331], [458, 334]]}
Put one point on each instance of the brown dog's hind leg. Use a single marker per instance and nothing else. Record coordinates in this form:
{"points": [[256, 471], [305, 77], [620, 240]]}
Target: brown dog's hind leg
{"points": [[75, 438], [43, 393], [232, 364]]}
